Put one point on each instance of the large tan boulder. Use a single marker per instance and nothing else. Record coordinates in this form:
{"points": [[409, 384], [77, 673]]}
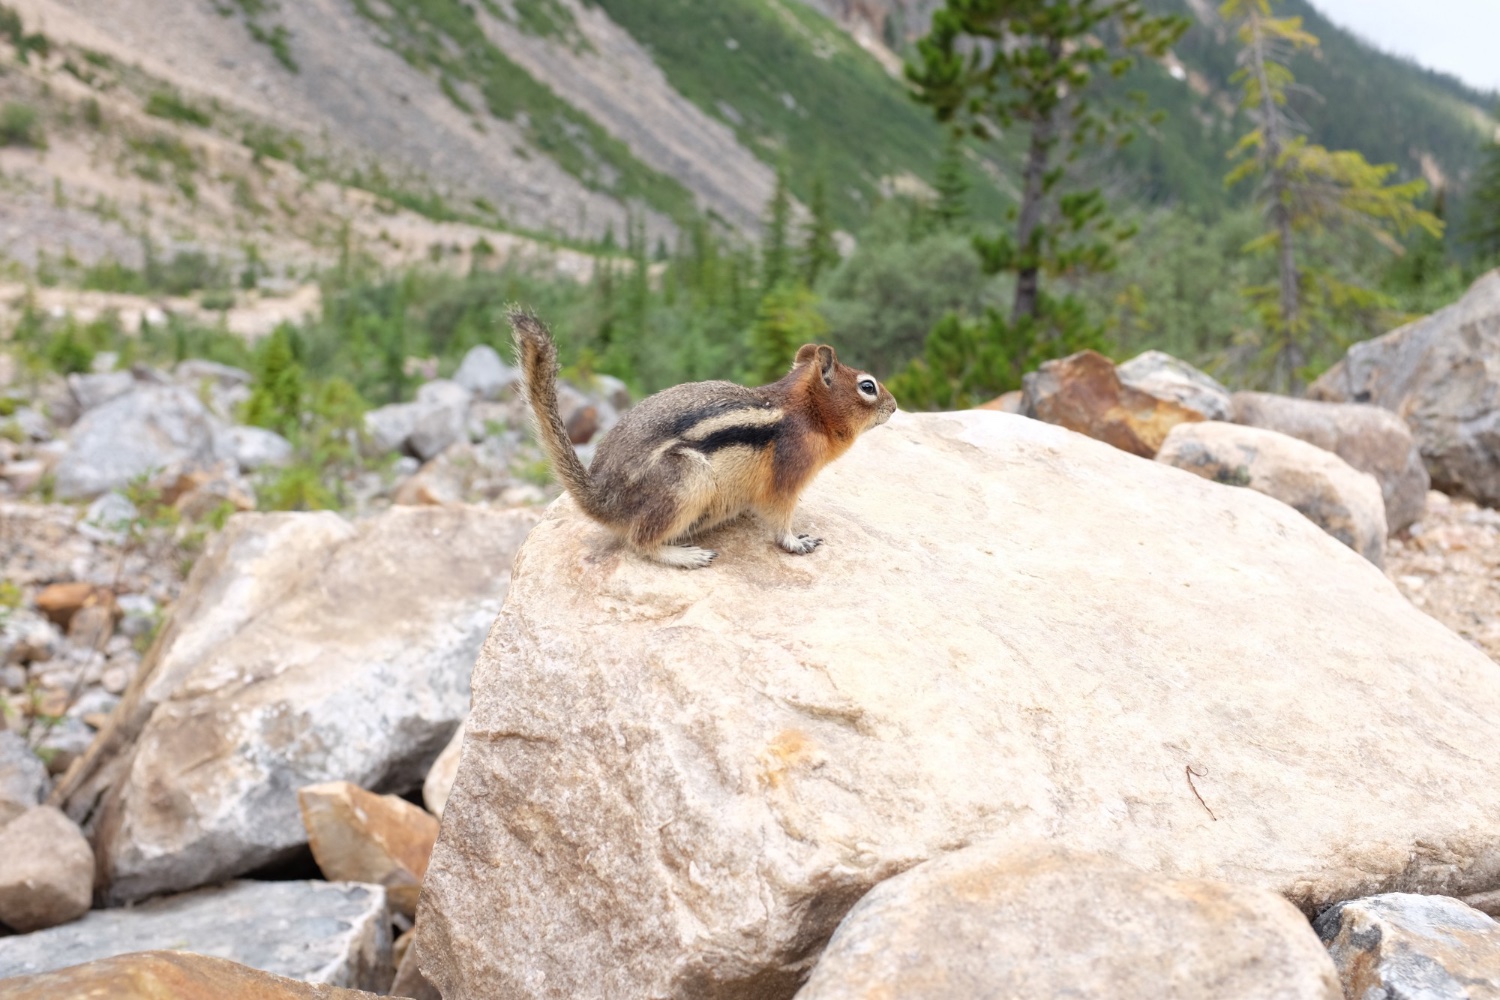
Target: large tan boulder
{"points": [[676, 784], [304, 649], [1318, 484], [1368, 438], [1441, 375], [1400, 945], [1038, 922], [357, 836], [1084, 393], [168, 975]]}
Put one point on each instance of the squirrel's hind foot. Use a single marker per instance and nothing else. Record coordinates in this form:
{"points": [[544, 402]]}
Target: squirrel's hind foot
{"points": [[683, 556]]}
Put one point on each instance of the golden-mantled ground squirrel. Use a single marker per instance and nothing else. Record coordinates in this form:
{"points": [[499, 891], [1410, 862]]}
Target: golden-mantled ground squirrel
{"points": [[697, 455]]}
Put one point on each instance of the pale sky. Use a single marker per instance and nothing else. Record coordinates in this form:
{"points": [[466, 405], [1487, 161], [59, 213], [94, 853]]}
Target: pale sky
{"points": [[1461, 37]]}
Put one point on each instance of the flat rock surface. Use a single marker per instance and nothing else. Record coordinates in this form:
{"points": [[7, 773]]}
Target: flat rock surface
{"points": [[318, 932], [999, 921], [167, 975], [1401, 946], [304, 649], [675, 784]]}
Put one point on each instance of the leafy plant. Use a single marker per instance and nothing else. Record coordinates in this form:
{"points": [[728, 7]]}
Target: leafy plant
{"points": [[171, 106], [20, 126]]}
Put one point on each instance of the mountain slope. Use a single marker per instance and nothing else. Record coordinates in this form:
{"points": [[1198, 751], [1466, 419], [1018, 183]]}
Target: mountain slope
{"points": [[566, 118]]}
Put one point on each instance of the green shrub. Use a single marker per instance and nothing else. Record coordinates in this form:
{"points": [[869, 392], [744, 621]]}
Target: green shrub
{"points": [[19, 126], [280, 387], [172, 107]]}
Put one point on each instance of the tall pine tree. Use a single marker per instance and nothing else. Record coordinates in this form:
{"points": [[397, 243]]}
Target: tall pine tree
{"points": [[951, 209], [1306, 192], [1484, 206], [1032, 65], [819, 253], [776, 257]]}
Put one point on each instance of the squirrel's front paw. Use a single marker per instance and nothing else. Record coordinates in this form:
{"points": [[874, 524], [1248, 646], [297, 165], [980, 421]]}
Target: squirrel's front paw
{"points": [[799, 545]]}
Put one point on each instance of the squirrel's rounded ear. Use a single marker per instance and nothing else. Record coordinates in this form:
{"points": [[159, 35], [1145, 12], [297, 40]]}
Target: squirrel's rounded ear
{"points": [[805, 353], [826, 361]]}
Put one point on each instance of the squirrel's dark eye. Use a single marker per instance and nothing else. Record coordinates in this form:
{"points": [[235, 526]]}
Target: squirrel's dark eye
{"points": [[867, 386]]}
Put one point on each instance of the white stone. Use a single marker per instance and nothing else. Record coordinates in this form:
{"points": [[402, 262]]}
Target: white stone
{"points": [[484, 373]]}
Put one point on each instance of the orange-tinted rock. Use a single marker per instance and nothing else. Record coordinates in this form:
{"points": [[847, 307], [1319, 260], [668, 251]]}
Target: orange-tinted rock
{"points": [[1084, 393], [1007, 402], [61, 601], [358, 836], [583, 424], [167, 975]]}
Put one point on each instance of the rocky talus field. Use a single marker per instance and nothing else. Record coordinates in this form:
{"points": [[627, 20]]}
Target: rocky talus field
{"points": [[1142, 688]]}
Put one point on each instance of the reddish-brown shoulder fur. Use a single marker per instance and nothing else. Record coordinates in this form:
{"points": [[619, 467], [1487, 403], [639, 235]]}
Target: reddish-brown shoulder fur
{"points": [[824, 415]]}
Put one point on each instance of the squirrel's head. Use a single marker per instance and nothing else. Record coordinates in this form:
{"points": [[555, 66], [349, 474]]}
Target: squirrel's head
{"points": [[856, 396]]}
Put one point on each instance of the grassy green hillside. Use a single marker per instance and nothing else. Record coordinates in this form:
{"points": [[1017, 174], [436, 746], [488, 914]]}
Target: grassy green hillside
{"points": [[796, 90]]}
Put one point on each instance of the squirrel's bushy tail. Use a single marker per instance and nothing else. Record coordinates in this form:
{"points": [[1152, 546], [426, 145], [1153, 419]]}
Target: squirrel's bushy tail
{"points": [[537, 356]]}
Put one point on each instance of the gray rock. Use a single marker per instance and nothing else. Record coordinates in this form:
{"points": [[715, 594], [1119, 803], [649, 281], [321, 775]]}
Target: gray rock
{"points": [[23, 776], [96, 390], [387, 428], [108, 518], [675, 784], [32, 423], [64, 743], [484, 373], [318, 932], [303, 649], [30, 638], [1401, 946], [444, 420], [257, 448], [1163, 376], [1004, 920], [138, 614], [1325, 489], [155, 429], [194, 372], [1369, 438], [1441, 374], [436, 429], [46, 871], [613, 391]]}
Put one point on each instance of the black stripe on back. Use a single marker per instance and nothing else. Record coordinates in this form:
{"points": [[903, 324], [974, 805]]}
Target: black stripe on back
{"points": [[686, 421], [753, 435]]}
